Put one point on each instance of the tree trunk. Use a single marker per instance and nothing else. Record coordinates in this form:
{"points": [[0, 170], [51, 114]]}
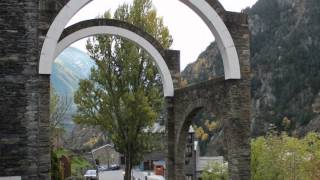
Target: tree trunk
{"points": [[128, 166]]}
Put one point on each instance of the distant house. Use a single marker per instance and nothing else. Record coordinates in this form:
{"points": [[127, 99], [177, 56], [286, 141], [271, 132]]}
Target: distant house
{"points": [[203, 162], [194, 163], [155, 161], [106, 155], [149, 159]]}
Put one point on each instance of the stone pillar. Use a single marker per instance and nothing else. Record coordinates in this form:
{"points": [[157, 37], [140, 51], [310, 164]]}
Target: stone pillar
{"points": [[180, 163], [238, 101], [170, 127], [172, 58], [18, 64], [24, 99], [48, 9], [44, 127]]}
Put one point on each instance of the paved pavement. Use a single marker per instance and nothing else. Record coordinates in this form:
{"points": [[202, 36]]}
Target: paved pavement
{"points": [[111, 175], [118, 175]]}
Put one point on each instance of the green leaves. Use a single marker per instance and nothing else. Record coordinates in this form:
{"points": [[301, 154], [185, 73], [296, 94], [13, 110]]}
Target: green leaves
{"points": [[215, 171], [284, 157]]}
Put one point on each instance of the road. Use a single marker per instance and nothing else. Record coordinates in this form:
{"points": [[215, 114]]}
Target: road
{"points": [[111, 175], [118, 175]]}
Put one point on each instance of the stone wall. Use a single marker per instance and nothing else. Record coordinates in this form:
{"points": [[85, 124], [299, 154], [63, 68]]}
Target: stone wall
{"points": [[228, 100], [24, 147], [24, 99], [24, 95], [172, 58]]}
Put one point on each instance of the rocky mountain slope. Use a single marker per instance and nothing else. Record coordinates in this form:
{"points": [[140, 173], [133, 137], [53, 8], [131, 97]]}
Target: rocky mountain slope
{"points": [[69, 67], [285, 60]]}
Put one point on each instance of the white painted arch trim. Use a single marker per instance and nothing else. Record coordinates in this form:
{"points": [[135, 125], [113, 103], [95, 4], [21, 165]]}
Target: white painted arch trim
{"points": [[201, 7], [222, 35], [162, 67]]}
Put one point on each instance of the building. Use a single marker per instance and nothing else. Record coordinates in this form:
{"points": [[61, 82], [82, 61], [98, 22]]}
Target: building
{"points": [[106, 155], [203, 162]]}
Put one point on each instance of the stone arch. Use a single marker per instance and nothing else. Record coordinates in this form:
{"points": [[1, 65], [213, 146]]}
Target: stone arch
{"points": [[183, 122], [207, 10], [189, 111], [114, 27], [181, 142], [229, 101]]}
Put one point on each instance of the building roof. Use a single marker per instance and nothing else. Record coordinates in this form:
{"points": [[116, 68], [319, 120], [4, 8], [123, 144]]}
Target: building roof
{"points": [[154, 156], [105, 146]]}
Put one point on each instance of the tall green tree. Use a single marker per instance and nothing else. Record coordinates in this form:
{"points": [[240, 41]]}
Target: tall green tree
{"points": [[123, 93]]}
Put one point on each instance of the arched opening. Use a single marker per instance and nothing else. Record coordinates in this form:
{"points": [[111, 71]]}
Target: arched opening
{"points": [[125, 30], [201, 145], [98, 30], [204, 9], [186, 157]]}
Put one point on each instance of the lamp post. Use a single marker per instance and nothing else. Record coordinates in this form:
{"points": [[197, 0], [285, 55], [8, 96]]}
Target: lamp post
{"points": [[192, 143]]}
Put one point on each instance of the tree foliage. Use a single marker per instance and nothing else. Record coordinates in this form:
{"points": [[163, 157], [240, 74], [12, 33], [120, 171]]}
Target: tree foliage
{"points": [[123, 93], [59, 106], [206, 125], [215, 171], [285, 158], [278, 157]]}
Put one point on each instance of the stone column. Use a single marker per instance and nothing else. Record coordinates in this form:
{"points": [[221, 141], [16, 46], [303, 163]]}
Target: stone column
{"points": [[238, 101], [18, 68], [180, 163], [44, 127], [24, 99], [237, 130], [170, 127], [172, 58], [48, 9]]}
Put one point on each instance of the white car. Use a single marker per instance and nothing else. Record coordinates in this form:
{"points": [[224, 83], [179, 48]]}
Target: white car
{"points": [[91, 175]]}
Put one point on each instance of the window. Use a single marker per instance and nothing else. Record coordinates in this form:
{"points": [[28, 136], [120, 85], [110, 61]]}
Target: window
{"points": [[189, 149], [189, 177]]}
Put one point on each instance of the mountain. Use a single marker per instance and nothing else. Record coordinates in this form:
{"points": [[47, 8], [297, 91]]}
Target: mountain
{"points": [[69, 67], [285, 61]]}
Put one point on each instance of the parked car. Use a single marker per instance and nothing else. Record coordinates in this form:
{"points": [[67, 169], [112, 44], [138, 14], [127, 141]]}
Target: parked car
{"points": [[115, 167], [91, 175], [103, 168]]}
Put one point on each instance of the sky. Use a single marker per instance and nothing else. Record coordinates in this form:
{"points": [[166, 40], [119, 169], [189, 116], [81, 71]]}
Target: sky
{"points": [[190, 34]]}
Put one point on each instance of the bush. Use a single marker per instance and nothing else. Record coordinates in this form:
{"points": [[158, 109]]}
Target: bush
{"points": [[286, 158], [215, 171], [78, 163]]}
